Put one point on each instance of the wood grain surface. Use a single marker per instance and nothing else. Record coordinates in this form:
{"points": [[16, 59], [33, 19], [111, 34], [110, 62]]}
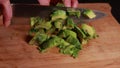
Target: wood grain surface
{"points": [[103, 52]]}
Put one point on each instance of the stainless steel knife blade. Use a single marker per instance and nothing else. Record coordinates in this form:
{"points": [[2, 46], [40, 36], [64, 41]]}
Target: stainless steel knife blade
{"points": [[23, 12]]}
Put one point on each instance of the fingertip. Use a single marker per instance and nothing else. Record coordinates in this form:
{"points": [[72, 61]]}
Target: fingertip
{"points": [[7, 12], [44, 2], [74, 3], [67, 3]]}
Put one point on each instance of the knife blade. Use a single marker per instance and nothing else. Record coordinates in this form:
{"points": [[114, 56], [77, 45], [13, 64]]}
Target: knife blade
{"points": [[23, 12]]}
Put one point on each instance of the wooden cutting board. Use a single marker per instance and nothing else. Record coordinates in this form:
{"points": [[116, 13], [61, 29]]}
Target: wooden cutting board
{"points": [[103, 52]]}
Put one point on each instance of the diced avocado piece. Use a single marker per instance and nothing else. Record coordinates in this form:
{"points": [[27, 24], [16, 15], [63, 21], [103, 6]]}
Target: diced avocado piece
{"points": [[89, 13], [58, 24], [38, 38], [84, 41], [50, 31], [34, 20], [89, 30], [74, 44], [58, 14], [69, 50], [44, 24], [52, 42], [66, 33], [33, 31], [60, 5], [79, 32], [75, 52], [74, 41], [70, 23], [73, 12]]}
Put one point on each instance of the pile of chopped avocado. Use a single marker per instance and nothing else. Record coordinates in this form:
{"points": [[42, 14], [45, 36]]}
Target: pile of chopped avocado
{"points": [[60, 31]]}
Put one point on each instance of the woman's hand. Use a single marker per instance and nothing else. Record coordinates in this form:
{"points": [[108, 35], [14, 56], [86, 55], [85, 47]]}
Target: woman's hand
{"points": [[71, 3], [67, 3], [7, 8], [44, 2], [6, 11]]}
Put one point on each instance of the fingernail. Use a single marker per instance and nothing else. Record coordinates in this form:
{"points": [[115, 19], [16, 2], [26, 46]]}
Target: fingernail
{"points": [[75, 5], [67, 3]]}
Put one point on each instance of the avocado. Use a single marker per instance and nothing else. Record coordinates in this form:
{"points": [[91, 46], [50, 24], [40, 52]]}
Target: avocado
{"points": [[66, 33], [88, 30], [58, 24], [58, 14], [89, 13], [79, 32], [84, 41], [34, 20], [60, 4], [44, 24], [73, 12], [38, 38], [70, 23]]}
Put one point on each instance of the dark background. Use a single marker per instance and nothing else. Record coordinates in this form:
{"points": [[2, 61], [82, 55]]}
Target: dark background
{"points": [[113, 3], [35, 1]]}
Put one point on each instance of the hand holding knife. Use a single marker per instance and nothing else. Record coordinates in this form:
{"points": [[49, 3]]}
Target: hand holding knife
{"points": [[7, 9]]}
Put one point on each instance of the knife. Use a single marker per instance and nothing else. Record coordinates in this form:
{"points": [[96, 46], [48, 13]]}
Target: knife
{"points": [[23, 12]]}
